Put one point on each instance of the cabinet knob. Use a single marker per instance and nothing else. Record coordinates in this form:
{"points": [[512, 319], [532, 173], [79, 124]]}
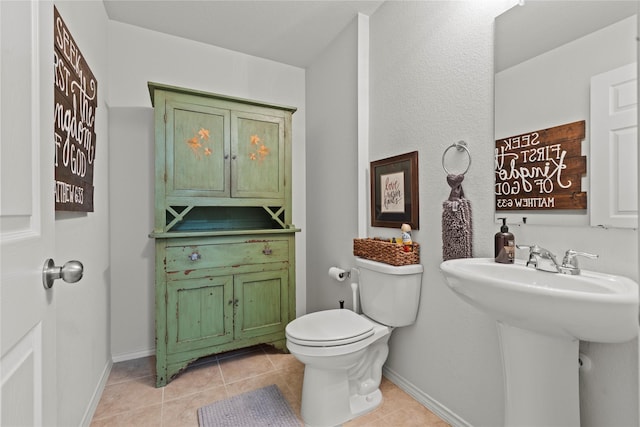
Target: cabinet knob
{"points": [[195, 256], [234, 157], [226, 157]]}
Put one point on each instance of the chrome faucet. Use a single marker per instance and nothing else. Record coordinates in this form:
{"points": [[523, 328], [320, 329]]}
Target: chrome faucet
{"points": [[543, 259]]}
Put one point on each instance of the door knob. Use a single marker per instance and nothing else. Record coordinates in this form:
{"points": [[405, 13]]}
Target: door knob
{"points": [[70, 272]]}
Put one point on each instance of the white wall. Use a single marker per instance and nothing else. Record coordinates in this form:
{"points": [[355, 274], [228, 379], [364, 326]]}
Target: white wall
{"points": [[432, 85], [83, 353], [332, 173], [135, 57]]}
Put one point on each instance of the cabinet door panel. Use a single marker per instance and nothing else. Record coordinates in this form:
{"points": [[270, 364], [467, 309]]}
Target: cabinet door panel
{"points": [[199, 313], [257, 142], [262, 303], [198, 146]]}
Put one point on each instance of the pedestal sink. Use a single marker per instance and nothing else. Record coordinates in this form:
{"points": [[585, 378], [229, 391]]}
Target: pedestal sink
{"points": [[541, 317]]}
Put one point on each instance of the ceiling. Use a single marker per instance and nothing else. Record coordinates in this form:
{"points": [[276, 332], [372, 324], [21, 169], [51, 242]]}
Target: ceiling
{"points": [[292, 32]]}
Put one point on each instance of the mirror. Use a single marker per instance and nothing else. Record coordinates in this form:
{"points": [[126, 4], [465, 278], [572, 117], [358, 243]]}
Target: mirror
{"points": [[552, 60]]}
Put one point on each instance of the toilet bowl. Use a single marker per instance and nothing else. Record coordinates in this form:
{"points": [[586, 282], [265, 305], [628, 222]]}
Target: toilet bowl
{"points": [[344, 352], [340, 381]]}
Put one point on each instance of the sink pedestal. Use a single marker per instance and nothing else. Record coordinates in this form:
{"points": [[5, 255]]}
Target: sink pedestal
{"points": [[541, 319], [541, 378]]}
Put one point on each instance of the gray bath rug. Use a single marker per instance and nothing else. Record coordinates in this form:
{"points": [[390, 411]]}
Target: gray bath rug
{"points": [[263, 407]]}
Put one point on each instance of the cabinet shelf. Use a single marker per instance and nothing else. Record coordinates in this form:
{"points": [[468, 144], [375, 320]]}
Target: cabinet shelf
{"points": [[223, 218], [175, 234]]}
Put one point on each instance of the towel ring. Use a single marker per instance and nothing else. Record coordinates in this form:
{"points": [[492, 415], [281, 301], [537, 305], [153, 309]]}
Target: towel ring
{"points": [[460, 146]]}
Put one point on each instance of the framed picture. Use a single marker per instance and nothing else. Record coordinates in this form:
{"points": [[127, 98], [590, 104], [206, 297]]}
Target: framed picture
{"points": [[394, 191]]}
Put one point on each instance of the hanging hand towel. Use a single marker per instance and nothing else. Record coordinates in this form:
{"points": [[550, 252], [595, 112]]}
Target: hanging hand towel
{"points": [[457, 231]]}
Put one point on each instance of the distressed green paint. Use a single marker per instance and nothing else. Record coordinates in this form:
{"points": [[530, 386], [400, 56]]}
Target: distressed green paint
{"points": [[255, 173], [200, 169], [201, 316], [225, 243], [264, 297], [259, 251]]}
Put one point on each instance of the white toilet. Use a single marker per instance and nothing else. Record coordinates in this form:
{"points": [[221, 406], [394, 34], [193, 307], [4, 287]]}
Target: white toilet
{"points": [[343, 352]]}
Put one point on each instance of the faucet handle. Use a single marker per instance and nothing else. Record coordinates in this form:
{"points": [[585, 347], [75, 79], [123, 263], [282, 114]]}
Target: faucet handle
{"points": [[533, 251], [532, 248], [537, 250], [570, 261], [570, 258]]}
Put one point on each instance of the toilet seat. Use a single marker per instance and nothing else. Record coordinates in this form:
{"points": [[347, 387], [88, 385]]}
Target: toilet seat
{"points": [[329, 328]]}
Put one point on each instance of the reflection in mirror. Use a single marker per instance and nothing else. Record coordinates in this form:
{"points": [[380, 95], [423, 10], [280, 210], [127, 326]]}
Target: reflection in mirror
{"points": [[561, 65]]}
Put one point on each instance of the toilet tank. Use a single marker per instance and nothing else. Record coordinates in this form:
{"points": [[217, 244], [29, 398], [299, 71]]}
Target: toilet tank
{"points": [[388, 294]]}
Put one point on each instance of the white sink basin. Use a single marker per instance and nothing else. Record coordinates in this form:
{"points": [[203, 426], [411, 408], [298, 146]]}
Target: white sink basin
{"points": [[541, 317], [590, 306]]}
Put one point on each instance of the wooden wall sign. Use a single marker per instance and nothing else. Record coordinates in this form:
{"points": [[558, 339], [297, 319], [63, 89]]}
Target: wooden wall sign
{"points": [[541, 170], [76, 100]]}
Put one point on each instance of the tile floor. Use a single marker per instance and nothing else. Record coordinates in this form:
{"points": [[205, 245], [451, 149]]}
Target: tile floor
{"points": [[130, 397]]}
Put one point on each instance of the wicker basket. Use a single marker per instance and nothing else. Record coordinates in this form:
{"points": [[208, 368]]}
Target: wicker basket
{"points": [[385, 251]]}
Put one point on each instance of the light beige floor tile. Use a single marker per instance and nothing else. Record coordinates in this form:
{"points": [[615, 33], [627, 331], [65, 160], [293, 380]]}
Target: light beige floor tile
{"points": [[195, 379], [282, 360], [295, 377], [394, 399], [257, 381], [130, 369], [245, 366], [184, 411], [125, 396], [131, 399], [364, 420], [149, 416], [411, 417]]}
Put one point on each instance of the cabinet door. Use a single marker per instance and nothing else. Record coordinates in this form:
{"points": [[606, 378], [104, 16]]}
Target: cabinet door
{"points": [[199, 313], [257, 145], [262, 303], [197, 150]]}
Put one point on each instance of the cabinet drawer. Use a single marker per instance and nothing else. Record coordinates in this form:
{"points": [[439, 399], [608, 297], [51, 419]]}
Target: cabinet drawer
{"points": [[191, 257]]}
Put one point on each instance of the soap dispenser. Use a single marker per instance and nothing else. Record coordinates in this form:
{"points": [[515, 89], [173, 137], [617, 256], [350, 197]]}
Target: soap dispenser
{"points": [[505, 244]]}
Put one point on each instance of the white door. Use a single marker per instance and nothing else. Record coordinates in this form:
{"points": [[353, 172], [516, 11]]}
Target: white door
{"points": [[27, 310], [614, 148]]}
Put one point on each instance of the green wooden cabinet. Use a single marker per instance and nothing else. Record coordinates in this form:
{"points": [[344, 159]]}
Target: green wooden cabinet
{"points": [[225, 245]]}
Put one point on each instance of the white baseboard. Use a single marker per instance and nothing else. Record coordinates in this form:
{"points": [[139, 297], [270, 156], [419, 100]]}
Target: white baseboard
{"points": [[134, 355], [97, 394], [433, 405]]}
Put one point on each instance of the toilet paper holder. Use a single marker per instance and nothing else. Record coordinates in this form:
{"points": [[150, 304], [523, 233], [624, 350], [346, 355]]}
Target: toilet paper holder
{"points": [[339, 274]]}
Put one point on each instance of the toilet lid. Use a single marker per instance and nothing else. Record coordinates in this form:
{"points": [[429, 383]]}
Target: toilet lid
{"points": [[329, 327]]}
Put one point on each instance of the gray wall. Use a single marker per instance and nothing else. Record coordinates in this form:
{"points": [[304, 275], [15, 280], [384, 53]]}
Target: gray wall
{"points": [[432, 85], [136, 56], [332, 172]]}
